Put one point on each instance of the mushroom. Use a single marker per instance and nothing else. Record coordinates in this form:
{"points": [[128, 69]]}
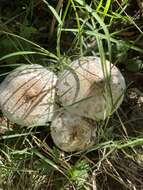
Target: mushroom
{"points": [[72, 133], [91, 89], [27, 95]]}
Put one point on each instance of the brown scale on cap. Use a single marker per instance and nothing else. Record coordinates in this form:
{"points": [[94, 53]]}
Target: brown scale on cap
{"points": [[27, 95]]}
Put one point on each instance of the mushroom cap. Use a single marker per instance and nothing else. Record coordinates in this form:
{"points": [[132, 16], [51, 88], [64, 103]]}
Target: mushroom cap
{"points": [[72, 133], [89, 89], [27, 95]]}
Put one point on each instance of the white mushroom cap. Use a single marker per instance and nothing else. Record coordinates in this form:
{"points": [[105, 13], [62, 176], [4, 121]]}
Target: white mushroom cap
{"points": [[86, 90], [27, 95], [72, 133]]}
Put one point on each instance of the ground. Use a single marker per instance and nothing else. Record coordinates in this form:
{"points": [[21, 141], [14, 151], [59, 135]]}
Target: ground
{"points": [[52, 33]]}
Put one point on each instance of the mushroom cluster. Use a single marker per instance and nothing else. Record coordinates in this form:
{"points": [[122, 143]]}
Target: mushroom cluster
{"points": [[88, 91]]}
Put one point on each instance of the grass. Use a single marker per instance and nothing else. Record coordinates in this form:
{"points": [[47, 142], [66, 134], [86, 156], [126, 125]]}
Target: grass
{"points": [[28, 158]]}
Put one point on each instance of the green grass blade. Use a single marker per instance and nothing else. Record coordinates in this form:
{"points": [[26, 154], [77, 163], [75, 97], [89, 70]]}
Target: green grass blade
{"points": [[21, 53], [107, 6], [51, 163], [53, 11], [39, 48]]}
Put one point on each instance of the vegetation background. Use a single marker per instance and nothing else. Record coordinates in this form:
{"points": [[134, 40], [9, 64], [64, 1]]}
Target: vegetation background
{"points": [[51, 33]]}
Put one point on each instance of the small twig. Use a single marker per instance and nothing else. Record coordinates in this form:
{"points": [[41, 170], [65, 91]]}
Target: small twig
{"points": [[140, 4], [59, 5], [94, 186]]}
